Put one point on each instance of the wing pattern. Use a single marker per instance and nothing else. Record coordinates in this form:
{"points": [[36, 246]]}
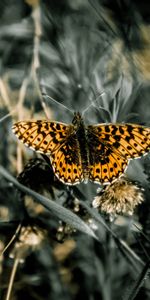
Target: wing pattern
{"points": [[59, 141], [101, 156], [111, 146]]}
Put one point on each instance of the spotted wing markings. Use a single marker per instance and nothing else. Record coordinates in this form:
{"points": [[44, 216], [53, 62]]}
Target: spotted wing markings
{"points": [[128, 140], [125, 141], [110, 148], [67, 163], [105, 163], [42, 136], [58, 138]]}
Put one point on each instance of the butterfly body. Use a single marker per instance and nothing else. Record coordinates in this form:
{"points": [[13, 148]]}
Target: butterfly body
{"points": [[99, 153], [81, 137]]}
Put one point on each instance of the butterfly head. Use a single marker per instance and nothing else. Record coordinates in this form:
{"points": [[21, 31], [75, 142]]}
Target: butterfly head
{"points": [[77, 120]]}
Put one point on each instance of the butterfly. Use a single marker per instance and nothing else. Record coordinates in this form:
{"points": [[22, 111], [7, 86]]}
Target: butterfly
{"points": [[99, 153]]}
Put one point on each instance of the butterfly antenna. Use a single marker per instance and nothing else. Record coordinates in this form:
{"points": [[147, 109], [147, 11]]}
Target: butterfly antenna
{"points": [[92, 104], [55, 101]]}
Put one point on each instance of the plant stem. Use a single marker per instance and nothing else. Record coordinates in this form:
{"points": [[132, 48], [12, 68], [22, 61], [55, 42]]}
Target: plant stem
{"points": [[12, 276]]}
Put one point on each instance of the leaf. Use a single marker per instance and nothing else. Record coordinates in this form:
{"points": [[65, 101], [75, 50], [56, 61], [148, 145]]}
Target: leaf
{"points": [[59, 211]]}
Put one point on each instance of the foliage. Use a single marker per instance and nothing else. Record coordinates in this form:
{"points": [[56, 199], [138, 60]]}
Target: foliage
{"points": [[57, 57]]}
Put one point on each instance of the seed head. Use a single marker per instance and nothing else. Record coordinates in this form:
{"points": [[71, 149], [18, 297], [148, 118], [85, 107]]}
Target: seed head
{"points": [[121, 196]]}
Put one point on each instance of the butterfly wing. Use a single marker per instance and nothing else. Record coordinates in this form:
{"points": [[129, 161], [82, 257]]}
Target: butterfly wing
{"points": [[128, 140], [105, 164], [113, 146], [66, 161], [57, 140], [42, 136]]}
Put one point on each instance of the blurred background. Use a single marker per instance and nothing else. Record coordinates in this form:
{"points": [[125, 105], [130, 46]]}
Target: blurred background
{"points": [[56, 58]]}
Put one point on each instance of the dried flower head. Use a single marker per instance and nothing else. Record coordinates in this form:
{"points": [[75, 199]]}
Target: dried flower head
{"points": [[30, 238], [121, 196]]}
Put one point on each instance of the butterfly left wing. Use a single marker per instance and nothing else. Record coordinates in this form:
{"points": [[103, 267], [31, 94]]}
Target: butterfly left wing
{"points": [[42, 136], [59, 141], [112, 146], [66, 161]]}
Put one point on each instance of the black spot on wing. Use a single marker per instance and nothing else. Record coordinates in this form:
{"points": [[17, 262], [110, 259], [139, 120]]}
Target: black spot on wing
{"points": [[117, 137], [58, 127], [107, 129], [121, 130]]}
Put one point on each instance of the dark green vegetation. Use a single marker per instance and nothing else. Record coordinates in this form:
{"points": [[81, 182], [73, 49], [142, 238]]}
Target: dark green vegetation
{"points": [[92, 57]]}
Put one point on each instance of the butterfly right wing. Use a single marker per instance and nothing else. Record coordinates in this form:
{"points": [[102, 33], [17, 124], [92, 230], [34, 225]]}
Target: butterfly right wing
{"points": [[112, 147], [128, 140], [59, 141], [105, 164]]}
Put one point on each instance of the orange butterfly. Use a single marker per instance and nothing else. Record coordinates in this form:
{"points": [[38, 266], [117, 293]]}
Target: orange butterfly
{"points": [[77, 152]]}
